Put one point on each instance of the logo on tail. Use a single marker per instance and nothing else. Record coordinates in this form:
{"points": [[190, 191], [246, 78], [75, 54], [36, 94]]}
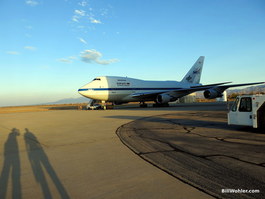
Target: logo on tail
{"points": [[194, 74]]}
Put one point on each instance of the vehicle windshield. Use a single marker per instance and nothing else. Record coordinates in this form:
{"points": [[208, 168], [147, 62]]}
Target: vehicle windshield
{"points": [[245, 104], [234, 106]]}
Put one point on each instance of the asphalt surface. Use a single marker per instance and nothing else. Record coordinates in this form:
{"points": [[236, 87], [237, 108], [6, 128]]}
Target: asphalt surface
{"points": [[76, 154], [199, 148]]}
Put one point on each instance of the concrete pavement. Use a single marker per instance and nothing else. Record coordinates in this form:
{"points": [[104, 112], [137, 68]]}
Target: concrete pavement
{"points": [[76, 154]]}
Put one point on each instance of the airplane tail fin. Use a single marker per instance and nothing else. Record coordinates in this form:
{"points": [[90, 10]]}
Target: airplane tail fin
{"points": [[194, 74]]}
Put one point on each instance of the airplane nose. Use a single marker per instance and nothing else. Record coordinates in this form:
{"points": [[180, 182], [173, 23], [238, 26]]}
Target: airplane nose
{"points": [[81, 91]]}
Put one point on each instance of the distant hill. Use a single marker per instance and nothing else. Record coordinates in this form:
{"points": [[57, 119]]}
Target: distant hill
{"points": [[248, 90], [69, 101]]}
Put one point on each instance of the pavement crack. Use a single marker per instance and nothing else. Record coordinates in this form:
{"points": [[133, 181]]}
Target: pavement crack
{"points": [[199, 165], [150, 152], [177, 149], [213, 137], [189, 129], [234, 158]]}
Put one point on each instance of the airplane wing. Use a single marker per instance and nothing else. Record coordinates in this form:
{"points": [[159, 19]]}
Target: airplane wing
{"points": [[147, 95], [180, 92], [217, 86], [151, 95]]}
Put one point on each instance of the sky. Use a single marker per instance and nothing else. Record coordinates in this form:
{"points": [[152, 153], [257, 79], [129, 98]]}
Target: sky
{"points": [[49, 49]]}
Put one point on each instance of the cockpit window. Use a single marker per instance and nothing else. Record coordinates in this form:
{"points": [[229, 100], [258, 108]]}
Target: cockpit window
{"points": [[96, 79]]}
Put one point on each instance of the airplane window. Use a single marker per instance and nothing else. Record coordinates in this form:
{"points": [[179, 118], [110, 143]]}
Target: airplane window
{"points": [[96, 79]]}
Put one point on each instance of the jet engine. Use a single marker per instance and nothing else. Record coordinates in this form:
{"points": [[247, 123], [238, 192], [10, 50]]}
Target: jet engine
{"points": [[164, 98], [212, 93]]}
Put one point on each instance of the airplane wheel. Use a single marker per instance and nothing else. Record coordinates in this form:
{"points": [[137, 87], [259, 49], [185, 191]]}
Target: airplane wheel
{"points": [[143, 105], [161, 105]]}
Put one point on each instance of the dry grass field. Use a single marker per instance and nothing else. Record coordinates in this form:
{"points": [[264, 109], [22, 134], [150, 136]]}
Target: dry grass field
{"points": [[37, 108], [77, 106]]}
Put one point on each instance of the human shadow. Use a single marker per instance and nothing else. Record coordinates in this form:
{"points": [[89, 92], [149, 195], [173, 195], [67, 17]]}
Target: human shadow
{"points": [[40, 165], [11, 166]]}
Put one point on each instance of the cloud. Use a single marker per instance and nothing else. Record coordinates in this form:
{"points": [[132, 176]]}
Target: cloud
{"points": [[93, 56], [104, 12], [67, 60], [92, 20], [83, 3], [82, 40], [80, 12], [72, 57], [13, 52], [32, 48], [32, 2], [75, 18]]}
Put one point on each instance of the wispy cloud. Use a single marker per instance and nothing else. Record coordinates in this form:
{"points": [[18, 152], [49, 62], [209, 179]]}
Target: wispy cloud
{"points": [[75, 18], [80, 12], [67, 60], [32, 48], [86, 12], [82, 40], [93, 56], [83, 3], [104, 12], [12, 52], [92, 20], [32, 2]]}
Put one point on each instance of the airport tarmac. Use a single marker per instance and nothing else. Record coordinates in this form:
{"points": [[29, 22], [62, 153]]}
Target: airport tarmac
{"points": [[200, 149], [77, 154]]}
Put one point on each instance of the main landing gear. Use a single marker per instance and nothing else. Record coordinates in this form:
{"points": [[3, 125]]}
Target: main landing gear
{"points": [[143, 105], [107, 106], [104, 105], [161, 105]]}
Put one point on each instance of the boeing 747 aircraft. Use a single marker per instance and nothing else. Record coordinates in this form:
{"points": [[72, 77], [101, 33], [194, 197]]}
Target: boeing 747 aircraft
{"points": [[119, 90]]}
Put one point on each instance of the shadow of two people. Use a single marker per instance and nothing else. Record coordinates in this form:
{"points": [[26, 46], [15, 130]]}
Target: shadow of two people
{"points": [[39, 162]]}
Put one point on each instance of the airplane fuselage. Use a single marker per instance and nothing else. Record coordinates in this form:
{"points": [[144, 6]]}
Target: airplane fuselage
{"points": [[122, 89]]}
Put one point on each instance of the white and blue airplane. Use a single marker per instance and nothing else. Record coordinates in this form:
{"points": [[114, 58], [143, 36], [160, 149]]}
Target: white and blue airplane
{"points": [[119, 90]]}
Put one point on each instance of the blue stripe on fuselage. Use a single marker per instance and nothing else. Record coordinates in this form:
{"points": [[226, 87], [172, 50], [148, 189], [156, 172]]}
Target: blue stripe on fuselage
{"points": [[82, 89], [122, 89]]}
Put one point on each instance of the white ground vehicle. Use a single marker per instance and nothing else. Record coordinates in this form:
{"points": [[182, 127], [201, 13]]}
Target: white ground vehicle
{"points": [[248, 110], [94, 107]]}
